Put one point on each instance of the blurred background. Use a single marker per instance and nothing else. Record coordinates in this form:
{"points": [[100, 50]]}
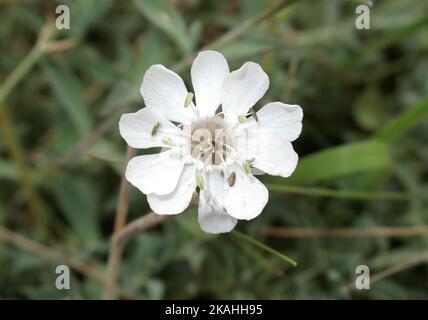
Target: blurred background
{"points": [[358, 196]]}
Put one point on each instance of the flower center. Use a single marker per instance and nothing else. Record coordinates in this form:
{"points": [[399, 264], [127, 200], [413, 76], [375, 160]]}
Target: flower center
{"points": [[210, 140]]}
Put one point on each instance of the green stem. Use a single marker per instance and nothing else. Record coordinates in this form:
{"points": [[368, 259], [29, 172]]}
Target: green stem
{"points": [[19, 72]]}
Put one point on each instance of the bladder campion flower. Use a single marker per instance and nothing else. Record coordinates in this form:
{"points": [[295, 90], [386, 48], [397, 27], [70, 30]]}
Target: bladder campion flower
{"points": [[210, 155]]}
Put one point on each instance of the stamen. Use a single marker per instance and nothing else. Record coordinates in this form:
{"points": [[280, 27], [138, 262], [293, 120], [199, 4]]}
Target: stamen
{"points": [[168, 142], [254, 114], [231, 179], [247, 166], [242, 118], [188, 99], [220, 115], [200, 181], [155, 128], [195, 198]]}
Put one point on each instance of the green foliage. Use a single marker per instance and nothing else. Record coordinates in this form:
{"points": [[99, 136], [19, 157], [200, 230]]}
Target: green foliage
{"points": [[363, 150]]}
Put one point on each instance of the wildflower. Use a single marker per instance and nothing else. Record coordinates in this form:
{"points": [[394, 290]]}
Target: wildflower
{"points": [[210, 155]]}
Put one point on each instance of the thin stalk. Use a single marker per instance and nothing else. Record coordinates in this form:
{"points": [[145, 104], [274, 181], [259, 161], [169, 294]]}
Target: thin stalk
{"points": [[122, 204], [49, 253], [265, 247], [35, 203], [414, 261], [118, 244], [20, 71]]}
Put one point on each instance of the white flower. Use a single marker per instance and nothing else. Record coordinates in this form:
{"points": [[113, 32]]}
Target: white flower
{"points": [[209, 155]]}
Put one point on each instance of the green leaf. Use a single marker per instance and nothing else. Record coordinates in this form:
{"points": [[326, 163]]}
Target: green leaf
{"points": [[70, 94], [403, 122], [78, 202], [166, 18], [337, 162]]}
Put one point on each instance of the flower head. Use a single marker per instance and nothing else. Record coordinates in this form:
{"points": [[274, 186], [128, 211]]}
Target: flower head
{"points": [[210, 155]]}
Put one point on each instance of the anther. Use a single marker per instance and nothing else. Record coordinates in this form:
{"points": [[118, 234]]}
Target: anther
{"points": [[242, 118], [231, 179], [247, 166], [168, 142], [155, 128], [200, 182], [188, 99]]}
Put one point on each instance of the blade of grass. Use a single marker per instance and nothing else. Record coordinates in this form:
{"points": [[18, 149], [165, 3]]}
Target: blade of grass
{"points": [[403, 122], [258, 257], [265, 247], [336, 162]]}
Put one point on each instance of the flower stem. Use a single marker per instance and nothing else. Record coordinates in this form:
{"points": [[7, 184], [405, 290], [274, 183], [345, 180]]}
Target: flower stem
{"points": [[122, 204], [118, 244]]}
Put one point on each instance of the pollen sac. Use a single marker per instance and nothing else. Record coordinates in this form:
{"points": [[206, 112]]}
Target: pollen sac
{"points": [[167, 141], [231, 180], [200, 182], [155, 128], [247, 166], [242, 118], [188, 99]]}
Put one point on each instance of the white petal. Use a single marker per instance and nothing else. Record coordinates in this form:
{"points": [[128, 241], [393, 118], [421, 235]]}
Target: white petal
{"points": [[247, 197], [164, 90], [136, 128], [284, 119], [178, 200], [208, 72], [155, 173], [213, 219], [270, 152], [241, 90]]}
